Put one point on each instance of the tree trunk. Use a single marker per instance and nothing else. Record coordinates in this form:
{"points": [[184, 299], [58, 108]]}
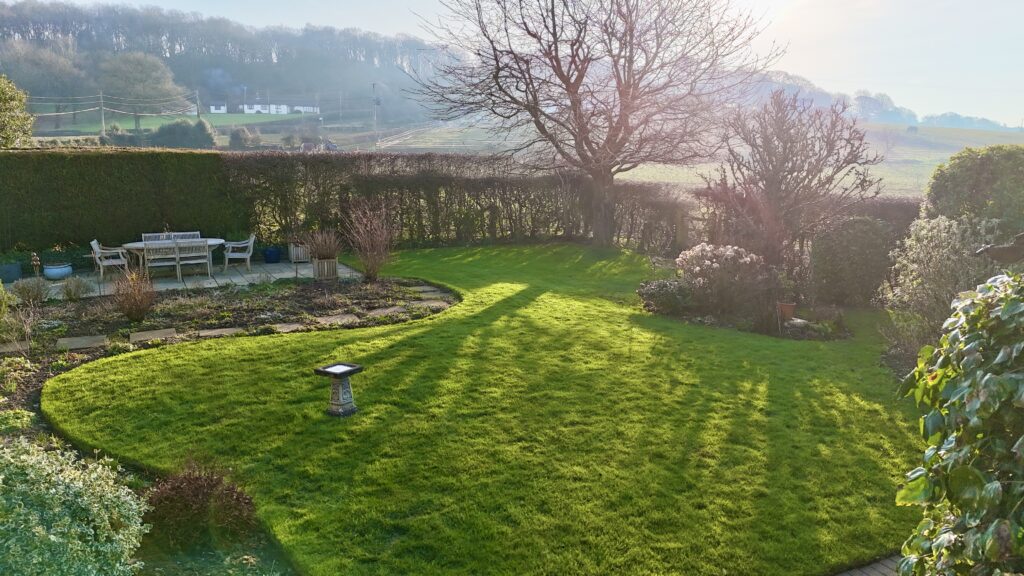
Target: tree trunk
{"points": [[603, 209]]}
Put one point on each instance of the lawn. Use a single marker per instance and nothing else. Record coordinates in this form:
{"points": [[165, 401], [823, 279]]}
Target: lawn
{"points": [[543, 425]]}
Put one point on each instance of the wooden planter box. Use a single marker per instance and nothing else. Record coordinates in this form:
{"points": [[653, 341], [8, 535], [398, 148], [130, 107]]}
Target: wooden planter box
{"points": [[325, 269], [297, 252]]}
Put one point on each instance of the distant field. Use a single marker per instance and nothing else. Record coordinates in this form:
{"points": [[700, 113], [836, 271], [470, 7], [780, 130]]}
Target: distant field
{"points": [[89, 123], [910, 158]]}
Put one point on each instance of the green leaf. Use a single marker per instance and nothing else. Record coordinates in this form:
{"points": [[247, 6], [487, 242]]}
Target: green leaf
{"points": [[916, 492]]}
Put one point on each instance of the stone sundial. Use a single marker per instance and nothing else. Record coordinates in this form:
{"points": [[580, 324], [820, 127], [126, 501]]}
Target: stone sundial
{"points": [[1005, 253]]}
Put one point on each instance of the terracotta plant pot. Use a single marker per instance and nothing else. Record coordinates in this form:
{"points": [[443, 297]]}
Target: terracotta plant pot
{"points": [[325, 269], [787, 310]]}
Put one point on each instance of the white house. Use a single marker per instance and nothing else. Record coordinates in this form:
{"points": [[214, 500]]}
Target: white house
{"points": [[261, 108], [218, 107], [305, 108]]}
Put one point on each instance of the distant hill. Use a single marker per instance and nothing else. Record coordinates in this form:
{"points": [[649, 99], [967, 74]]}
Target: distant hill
{"points": [[225, 61]]}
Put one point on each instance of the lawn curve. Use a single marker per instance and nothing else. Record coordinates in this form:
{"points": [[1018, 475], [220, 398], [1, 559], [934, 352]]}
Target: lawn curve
{"points": [[543, 425]]}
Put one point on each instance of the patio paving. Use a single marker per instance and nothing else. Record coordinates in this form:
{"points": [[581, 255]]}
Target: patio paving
{"points": [[236, 275]]}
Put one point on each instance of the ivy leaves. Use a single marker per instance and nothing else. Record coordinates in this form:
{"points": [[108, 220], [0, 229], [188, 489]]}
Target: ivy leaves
{"points": [[971, 479]]}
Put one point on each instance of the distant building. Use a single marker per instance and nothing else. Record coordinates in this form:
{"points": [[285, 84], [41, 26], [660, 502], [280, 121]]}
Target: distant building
{"points": [[263, 108], [304, 107], [218, 107]]}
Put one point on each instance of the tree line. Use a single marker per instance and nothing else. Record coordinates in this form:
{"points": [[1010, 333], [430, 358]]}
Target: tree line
{"points": [[63, 50]]}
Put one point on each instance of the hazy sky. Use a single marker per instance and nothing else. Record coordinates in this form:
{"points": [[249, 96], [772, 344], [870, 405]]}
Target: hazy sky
{"points": [[932, 56]]}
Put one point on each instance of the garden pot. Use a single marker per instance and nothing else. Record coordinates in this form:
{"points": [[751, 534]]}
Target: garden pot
{"points": [[787, 310], [298, 252], [56, 271], [325, 269], [10, 272], [272, 255]]}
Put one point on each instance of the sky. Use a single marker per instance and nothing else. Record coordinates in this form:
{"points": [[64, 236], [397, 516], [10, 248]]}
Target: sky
{"points": [[932, 56]]}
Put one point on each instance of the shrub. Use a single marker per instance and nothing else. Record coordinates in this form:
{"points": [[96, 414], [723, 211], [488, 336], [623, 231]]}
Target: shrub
{"points": [[969, 482], [934, 264], [184, 134], [63, 516], [668, 297], [241, 138], [371, 233], [980, 183], [134, 295], [726, 281], [850, 261], [75, 288], [322, 244], [197, 504], [15, 421], [32, 291]]}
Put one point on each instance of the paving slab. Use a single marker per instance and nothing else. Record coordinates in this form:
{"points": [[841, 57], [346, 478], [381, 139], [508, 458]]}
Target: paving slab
{"points": [[432, 304], [338, 319], [385, 311], [10, 347], [288, 327], [150, 335], [424, 288], [199, 282], [431, 295], [82, 342], [217, 332], [885, 567]]}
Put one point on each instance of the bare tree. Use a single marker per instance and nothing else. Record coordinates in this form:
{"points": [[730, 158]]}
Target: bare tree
{"points": [[790, 169], [371, 233], [598, 86]]}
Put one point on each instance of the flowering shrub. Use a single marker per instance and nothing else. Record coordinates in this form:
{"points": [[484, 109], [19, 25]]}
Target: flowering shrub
{"points": [[63, 516], [934, 264], [726, 281], [668, 297], [972, 387]]}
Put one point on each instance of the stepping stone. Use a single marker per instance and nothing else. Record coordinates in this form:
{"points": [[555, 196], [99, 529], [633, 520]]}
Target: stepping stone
{"points": [[13, 347], [432, 304], [150, 335], [218, 332], [82, 342], [288, 327], [425, 288], [431, 295], [338, 319], [385, 311]]}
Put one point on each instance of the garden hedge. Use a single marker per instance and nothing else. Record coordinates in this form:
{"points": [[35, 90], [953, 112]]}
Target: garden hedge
{"points": [[69, 197]]}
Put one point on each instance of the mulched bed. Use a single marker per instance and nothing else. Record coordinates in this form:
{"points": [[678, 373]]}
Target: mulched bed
{"points": [[249, 308], [254, 308]]}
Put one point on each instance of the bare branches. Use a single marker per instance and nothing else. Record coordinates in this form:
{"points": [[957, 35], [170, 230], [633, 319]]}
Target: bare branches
{"points": [[604, 85], [598, 86], [790, 169]]}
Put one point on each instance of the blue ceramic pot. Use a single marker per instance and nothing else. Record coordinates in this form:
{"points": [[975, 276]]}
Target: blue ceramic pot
{"points": [[56, 271], [272, 255], [10, 273]]}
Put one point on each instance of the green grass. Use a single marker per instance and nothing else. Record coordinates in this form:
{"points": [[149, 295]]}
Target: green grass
{"points": [[543, 425]]}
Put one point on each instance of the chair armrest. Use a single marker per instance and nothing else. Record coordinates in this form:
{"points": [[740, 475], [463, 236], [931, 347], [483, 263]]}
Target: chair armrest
{"points": [[105, 251]]}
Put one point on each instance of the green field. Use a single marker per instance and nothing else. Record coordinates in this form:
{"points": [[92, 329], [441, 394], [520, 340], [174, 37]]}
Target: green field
{"points": [[544, 425], [910, 158]]}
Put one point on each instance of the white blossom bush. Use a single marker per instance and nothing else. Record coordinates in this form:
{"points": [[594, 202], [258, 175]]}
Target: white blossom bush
{"points": [[931, 266], [61, 516], [726, 281]]}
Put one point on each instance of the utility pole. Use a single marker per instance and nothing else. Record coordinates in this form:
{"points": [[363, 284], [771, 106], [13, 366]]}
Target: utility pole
{"points": [[103, 120], [199, 115]]}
